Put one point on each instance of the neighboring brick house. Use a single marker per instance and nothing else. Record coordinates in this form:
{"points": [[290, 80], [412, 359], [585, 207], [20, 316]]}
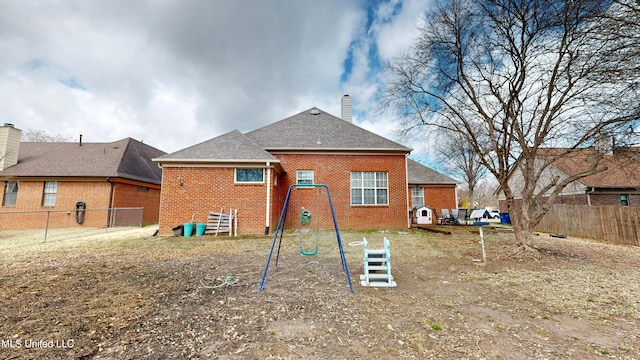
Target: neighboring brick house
{"points": [[56, 175], [616, 183], [431, 188], [365, 173]]}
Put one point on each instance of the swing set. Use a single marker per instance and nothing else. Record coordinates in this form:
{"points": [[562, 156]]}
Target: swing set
{"points": [[306, 223]]}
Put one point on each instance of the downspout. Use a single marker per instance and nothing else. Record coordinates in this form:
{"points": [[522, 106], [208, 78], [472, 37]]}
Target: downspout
{"points": [[268, 204], [406, 189], [455, 190], [589, 195], [110, 202]]}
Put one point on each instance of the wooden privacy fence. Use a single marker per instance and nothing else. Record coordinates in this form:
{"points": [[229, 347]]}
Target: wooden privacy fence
{"points": [[615, 224]]}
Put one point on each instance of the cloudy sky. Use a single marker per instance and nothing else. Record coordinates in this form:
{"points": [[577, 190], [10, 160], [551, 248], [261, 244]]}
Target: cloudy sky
{"points": [[177, 72]]}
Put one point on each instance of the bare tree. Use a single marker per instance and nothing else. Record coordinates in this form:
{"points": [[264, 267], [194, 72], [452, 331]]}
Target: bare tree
{"points": [[483, 194], [511, 77], [461, 162]]}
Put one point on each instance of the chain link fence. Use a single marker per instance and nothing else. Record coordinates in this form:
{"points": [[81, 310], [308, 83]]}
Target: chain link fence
{"points": [[20, 228]]}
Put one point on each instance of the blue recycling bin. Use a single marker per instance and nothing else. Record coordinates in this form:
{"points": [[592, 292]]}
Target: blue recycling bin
{"points": [[504, 218]]}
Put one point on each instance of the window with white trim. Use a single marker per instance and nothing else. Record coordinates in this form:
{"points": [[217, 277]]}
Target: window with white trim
{"points": [[369, 188], [49, 195], [10, 193], [248, 176], [304, 177], [417, 196]]}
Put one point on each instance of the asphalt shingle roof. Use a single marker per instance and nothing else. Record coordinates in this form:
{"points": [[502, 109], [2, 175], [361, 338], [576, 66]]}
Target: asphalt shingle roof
{"points": [[616, 170], [315, 129], [126, 158], [228, 147], [420, 174]]}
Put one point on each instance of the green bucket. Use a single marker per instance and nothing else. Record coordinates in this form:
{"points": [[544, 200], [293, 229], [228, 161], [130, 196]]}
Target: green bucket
{"points": [[200, 228], [188, 229]]}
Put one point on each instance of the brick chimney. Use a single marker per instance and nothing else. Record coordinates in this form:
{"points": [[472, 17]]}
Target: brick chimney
{"points": [[604, 144], [346, 108], [9, 145]]}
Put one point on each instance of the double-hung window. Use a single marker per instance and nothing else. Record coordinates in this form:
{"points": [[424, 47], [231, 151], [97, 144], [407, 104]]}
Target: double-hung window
{"points": [[50, 191], [417, 196], [304, 177], [369, 188], [10, 193], [249, 176]]}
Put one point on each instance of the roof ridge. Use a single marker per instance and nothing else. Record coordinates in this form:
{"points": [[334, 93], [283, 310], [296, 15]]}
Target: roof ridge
{"points": [[122, 155], [332, 133]]}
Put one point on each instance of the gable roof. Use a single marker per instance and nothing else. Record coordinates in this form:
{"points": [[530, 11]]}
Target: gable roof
{"points": [[616, 170], [315, 129], [420, 174], [230, 147], [126, 158]]}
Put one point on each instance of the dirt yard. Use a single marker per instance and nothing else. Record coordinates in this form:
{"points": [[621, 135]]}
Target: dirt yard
{"points": [[133, 298]]}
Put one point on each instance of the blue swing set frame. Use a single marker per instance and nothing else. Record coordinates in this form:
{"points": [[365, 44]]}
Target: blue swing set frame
{"points": [[277, 236]]}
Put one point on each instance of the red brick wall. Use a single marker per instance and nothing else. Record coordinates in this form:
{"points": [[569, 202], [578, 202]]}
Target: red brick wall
{"points": [[440, 197], [188, 191], [335, 172], [207, 189], [130, 195], [614, 200], [581, 199], [95, 194]]}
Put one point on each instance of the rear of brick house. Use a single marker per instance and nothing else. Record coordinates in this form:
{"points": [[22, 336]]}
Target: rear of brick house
{"points": [[366, 175], [40, 177], [614, 183]]}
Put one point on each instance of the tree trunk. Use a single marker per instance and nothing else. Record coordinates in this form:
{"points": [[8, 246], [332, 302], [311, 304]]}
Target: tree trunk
{"points": [[523, 231]]}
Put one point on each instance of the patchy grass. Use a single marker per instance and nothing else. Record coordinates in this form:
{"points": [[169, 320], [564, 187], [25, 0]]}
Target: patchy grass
{"points": [[136, 297]]}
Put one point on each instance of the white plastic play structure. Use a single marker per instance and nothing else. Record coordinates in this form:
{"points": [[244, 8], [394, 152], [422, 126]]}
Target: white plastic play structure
{"points": [[377, 266]]}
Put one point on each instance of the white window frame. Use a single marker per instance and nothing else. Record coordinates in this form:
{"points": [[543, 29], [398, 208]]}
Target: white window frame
{"points": [[366, 181], [304, 177], [235, 176], [13, 195], [49, 193], [417, 192]]}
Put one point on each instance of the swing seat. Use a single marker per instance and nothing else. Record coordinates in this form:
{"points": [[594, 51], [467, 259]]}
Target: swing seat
{"points": [[309, 253], [305, 219]]}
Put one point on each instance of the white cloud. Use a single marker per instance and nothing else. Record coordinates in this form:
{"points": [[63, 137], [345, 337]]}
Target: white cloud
{"points": [[174, 72], [399, 33]]}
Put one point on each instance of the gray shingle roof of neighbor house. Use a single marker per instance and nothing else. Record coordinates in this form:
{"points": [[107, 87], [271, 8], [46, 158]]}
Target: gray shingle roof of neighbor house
{"points": [[420, 174], [315, 129], [126, 158], [229, 147]]}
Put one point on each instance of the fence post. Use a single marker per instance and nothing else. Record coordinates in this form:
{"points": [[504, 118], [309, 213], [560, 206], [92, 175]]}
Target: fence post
{"points": [[114, 217], [141, 215], [46, 227]]}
